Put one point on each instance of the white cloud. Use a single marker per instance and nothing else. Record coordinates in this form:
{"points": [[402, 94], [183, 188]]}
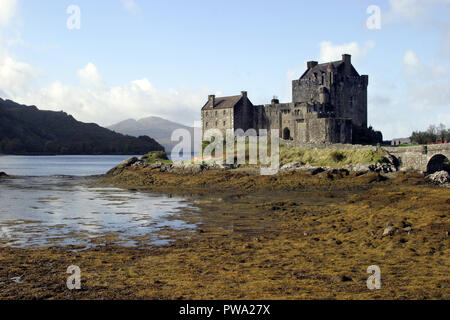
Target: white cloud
{"points": [[412, 10], [89, 75], [7, 11], [407, 9], [131, 6], [427, 84], [424, 13], [410, 59], [91, 102], [15, 76], [333, 52]]}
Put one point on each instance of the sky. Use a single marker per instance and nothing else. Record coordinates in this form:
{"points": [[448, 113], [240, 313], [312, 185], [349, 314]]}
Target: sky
{"points": [[105, 61]]}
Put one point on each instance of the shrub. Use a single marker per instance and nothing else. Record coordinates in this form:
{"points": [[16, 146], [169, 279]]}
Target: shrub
{"points": [[337, 156]]}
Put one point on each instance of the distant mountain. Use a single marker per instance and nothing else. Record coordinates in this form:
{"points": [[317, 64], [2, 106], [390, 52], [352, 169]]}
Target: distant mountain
{"points": [[28, 130], [158, 128]]}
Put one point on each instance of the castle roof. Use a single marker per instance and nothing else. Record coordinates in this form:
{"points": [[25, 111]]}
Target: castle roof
{"points": [[223, 102], [337, 66]]}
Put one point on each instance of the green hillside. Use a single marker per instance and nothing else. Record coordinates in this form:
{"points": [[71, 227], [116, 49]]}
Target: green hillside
{"points": [[28, 130]]}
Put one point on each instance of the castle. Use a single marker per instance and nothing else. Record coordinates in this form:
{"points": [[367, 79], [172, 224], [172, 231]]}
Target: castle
{"points": [[327, 101]]}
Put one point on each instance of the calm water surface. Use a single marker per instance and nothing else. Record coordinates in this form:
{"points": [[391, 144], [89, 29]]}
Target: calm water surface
{"points": [[58, 165], [52, 202]]}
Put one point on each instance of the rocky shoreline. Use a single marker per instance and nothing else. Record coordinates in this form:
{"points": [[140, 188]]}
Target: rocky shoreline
{"points": [[387, 168]]}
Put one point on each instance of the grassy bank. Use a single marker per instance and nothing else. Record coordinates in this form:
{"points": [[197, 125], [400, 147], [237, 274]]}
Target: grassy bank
{"points": [[315, 157], [329, 157]]}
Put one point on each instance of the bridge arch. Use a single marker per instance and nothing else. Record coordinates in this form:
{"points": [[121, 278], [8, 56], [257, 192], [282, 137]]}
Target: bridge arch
{"points": [[438, 162]]}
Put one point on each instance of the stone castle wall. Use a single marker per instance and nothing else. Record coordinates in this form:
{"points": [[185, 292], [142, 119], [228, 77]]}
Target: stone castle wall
{"points": [[326, 102]]}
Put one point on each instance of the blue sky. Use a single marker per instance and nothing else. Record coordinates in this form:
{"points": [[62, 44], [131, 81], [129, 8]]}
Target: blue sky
{"points": [[136, 58]]}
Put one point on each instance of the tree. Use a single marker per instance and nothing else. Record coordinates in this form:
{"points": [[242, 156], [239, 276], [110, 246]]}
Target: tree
{"points": [[431, 135]]}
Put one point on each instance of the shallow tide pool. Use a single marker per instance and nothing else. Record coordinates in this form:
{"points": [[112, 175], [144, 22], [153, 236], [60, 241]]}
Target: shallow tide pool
{"points": [[66, 210]]}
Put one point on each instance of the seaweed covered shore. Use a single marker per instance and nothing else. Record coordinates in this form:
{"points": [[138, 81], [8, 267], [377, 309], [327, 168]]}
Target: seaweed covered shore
{"points": [[295, 235]]}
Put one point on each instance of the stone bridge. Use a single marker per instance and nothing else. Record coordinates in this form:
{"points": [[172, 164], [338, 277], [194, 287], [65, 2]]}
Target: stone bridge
{"points": [[427, 159], [424, 159]]}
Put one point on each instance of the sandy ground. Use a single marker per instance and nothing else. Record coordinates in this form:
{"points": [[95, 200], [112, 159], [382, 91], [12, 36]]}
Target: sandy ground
{"points": [[290, 236]]}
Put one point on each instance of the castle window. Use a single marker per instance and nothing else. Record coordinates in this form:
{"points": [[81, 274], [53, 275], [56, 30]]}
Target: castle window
{"points": [[217, 123], [224, 112], [216, 113], [206, 124], [224, 123]]}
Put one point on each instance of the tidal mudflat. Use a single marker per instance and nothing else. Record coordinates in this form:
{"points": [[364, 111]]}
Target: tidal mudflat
{"points": [[290, 236]]}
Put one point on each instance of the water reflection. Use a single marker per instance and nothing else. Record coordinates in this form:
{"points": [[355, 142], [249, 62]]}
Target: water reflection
{"points": [[64, 210]]}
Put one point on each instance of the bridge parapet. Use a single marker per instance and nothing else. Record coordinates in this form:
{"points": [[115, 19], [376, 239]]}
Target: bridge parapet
{"points": [[417, 157]]}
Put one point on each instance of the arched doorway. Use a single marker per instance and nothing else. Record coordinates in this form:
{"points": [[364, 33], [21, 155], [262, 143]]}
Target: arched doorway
{"points": [[286, 134], [438, 162]]}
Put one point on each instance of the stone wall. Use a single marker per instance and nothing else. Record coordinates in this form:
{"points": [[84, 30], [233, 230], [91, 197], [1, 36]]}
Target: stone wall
{"points": [[326, 101], [346, 91], [221, 119]]}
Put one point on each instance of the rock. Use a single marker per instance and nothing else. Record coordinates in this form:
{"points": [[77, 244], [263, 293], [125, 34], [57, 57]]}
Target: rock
{"points": [[178, 165], [292, 166], [392, 161], [17, 279], [344, 278], [2, 174], [385, 167], [317, 171], [127, 162], [144, 163], [389, 230], [362, 167], [166, 167], [439, 177], [309, 168], [154, 165], [217, 166], [193, 168]]}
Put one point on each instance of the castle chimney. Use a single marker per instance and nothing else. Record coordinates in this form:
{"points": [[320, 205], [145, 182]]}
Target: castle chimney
{"points": [[212, 100], [365, 80], [347, 59], [275, 100], [311, 64], [244, 94]]}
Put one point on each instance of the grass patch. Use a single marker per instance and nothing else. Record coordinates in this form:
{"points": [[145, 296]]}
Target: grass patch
{"points": [[315, 157], [329, 157], [158, 156]]}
